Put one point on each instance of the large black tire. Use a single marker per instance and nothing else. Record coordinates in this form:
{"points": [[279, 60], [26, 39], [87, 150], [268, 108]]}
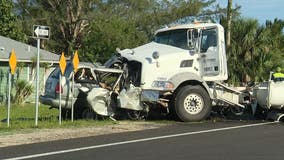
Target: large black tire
{"points": [[89, 114], [260, 113], [192, 103], [134, 115], [80, 105]]}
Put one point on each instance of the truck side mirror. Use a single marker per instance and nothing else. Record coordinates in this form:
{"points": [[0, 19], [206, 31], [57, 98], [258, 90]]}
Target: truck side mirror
{"points": [[190, 44], [191, 40]]}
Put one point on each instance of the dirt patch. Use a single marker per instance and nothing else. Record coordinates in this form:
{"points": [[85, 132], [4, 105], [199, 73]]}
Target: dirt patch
{"points": [[43, 135]]}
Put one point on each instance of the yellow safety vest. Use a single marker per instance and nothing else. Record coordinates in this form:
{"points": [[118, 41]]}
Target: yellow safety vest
{"points": [[278, 75]]}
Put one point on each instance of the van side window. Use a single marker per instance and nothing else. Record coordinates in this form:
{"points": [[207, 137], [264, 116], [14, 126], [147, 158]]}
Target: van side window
{"points": [[208, 39]]}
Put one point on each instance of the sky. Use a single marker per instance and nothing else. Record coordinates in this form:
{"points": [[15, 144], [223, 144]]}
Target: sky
{"points": [[261, 10]]}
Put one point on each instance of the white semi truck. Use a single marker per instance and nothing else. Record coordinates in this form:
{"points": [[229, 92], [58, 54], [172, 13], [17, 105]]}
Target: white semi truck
{"points": [[180, 72]]}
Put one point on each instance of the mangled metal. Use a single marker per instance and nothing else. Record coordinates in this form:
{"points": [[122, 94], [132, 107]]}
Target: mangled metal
{"points": [[111, 97], [130, 99], [99, 99]]}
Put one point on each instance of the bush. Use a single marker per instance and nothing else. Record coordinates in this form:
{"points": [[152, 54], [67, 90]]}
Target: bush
{"points": [[23, 90]]}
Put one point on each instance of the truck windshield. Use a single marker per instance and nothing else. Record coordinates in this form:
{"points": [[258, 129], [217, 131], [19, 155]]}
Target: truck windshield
{"points": [[177, 38]]}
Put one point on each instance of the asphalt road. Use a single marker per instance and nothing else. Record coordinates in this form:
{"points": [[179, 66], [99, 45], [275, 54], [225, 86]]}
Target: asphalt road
{"points": [[181, 141]]}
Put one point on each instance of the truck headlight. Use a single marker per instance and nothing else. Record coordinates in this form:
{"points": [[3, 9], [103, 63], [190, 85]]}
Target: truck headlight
{"points": [[165, 85]]}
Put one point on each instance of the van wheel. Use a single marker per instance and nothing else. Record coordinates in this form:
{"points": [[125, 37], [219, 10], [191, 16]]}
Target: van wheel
{"points": [[192, 103]]}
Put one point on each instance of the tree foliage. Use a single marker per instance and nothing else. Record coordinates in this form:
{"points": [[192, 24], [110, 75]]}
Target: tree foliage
{"points": [[108, 34], [73, 21], [149, 15], [23, 90], [255, 50], [67, 19], [9, 25]]}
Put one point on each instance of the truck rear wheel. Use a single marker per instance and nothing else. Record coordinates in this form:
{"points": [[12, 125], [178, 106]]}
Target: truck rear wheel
{"points": [[192, 103]]}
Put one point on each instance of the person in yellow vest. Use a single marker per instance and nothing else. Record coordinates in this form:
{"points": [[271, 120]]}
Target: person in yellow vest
{"points": [[278, 76]]}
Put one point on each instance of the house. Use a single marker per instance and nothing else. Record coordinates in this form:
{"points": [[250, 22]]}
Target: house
{"points": [[26, 65]]}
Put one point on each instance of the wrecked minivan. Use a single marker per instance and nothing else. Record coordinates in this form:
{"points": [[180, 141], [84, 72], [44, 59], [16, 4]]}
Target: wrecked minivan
{"points": [[98, 92], [83, 77]]}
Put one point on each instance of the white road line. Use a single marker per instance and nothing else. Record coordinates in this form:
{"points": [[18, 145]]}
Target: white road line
{"points": [[137, 140]]}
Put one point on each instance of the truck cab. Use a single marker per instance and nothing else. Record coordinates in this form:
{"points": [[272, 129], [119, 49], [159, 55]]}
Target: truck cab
{"points": [[178, 70], [204, 45]]}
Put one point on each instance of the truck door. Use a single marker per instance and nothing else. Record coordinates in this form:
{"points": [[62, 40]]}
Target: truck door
{"points": [[210, 61]]}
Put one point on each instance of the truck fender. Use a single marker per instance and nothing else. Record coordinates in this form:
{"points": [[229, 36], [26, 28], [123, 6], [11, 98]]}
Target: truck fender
{"points": [[185, 77]]}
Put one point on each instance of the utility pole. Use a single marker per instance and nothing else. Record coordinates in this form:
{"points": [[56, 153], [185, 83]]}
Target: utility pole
{"points": [[229, 22]]}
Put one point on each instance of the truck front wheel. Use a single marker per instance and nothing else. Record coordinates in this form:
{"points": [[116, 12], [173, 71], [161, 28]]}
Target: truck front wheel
{"points": [[192, 103]]}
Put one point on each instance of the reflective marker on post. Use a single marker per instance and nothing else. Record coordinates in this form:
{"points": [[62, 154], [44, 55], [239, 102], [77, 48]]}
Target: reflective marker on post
{"points": [[75, 62], [62, 65], [12, 64], [60, 110]]}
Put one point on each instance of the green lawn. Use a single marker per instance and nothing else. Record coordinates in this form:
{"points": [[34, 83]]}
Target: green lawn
{"points": [[23, 117]]}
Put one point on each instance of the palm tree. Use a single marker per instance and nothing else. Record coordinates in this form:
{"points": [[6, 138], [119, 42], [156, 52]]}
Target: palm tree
{"points": [[229, 21], [255, 50], [242, 48]]}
